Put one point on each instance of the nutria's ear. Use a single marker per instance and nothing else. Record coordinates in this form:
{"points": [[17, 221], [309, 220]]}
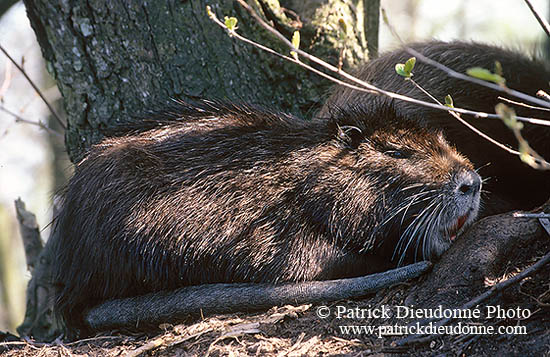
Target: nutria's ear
{"points": [[349, 135], [348, 125]]}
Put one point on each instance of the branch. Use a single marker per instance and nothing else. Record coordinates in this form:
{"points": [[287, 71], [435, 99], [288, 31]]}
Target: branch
{"points": [[521, 104], [232, 33], [35, 88], [39, 123], [7, 80], [457, 75], [539, 162], [468, 125], [543, 23]]}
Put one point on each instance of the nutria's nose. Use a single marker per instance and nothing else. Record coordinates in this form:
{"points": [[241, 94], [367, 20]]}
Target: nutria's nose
{"points": [[467, 182]]}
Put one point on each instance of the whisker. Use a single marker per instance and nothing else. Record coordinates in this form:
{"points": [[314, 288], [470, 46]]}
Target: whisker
{"points": [[405, 233], [482, 167], [427, 229], [418, 234], [484, 180], [414, 185], [407, 204], [409, 234], [418, 229], [435, 224]]}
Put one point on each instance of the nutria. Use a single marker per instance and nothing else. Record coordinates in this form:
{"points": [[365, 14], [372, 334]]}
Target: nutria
{"points": [[219, 193], [510, 183]]}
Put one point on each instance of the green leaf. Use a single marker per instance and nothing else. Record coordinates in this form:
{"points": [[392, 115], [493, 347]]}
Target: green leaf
{"points": [[486, 75], [508, 116], [343, 29], [400, 69], [295, 43], [449, 101], [409, 65], [209, 11], [405, 70], [525, 154], [231, 23], [342, 24], [498, 68]]}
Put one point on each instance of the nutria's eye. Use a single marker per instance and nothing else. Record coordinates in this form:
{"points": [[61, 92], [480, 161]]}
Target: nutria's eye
{"points": [[398, 154]]}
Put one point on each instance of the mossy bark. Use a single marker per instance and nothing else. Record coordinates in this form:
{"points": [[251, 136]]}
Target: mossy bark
{"points": [[115, 60]]}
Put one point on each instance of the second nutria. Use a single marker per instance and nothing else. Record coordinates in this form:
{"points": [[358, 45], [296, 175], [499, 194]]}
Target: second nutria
{"points": [[220, 193], [510, 184]]}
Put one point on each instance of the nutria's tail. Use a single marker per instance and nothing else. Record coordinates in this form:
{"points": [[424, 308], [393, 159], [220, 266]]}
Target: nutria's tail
{"points": [[153, 309]]}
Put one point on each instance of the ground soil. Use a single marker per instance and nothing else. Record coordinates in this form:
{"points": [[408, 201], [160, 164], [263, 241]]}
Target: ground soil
{"points": [[300, 331]]}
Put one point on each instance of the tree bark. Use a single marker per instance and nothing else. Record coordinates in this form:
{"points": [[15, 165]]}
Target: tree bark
{"points": [[115, 61]]}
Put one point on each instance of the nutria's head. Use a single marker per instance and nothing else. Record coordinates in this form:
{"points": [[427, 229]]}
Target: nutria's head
{"points": [[419, 192]]}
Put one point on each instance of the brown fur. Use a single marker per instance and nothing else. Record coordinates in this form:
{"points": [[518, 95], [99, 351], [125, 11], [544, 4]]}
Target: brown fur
{"points": [[220, 193]]}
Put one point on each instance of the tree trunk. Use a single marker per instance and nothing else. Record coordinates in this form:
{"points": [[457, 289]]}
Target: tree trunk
{"points": [[115, 61]]}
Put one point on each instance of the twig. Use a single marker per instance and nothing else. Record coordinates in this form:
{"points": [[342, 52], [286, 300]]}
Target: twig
{"points": [[479, 299], [538, 162], [166, 341], [454, 74], [23, 120], [287, 58], [520, 104], [365, 86], [543, 94], [91, 339], [531, 215], [7, 79], [148, 347], [542, 21], [187, 338], [35, 88], [543, 164], [468, 125], [532, 158]]}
